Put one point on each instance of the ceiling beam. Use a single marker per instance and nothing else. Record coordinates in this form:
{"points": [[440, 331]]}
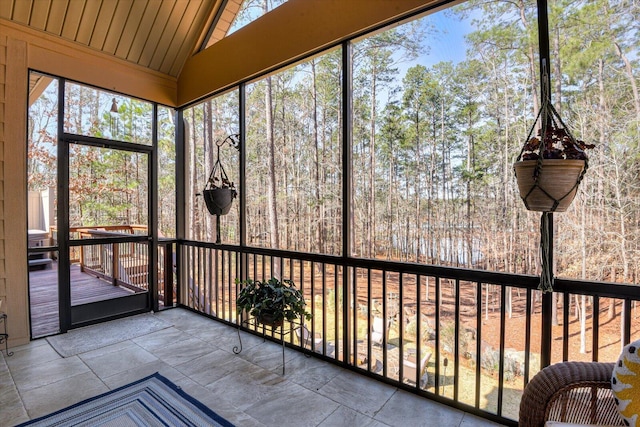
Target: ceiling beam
{"points": [[291, 31]]}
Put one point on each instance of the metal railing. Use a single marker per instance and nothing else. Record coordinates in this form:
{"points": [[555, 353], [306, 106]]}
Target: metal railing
{"points": [[476, 333]]}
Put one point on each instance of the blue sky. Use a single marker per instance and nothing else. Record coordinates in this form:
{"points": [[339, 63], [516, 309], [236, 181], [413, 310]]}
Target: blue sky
{"points": [[448, 44]]}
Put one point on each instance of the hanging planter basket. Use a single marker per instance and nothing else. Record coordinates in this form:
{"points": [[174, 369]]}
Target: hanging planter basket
{"points": [[219, 191], [551, 165], [219, 200], [555, 186]]}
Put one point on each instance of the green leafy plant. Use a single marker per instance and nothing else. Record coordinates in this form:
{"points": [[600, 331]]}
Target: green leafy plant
{"points": [[271, 301]]}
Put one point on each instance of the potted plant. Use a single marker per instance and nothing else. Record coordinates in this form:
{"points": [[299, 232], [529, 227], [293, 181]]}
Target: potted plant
{"points": [[551, 164], [271, 302]]}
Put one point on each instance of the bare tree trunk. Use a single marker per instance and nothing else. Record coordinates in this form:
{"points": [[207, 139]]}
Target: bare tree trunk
{"points": [[195, 224], [623, 316], [583, 324], [392, 184], [583, 250], [209, 148], [628, 68], [611, 313], [486, 302], [532, 59], [371, 214], [469, 221], [271, 170], [620, 205], [318, 204]]}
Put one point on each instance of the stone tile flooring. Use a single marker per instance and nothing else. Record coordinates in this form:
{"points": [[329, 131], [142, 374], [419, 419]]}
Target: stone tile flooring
{"points": [[196, 354]]}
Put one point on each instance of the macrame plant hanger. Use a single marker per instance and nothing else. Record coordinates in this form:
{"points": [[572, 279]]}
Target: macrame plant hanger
{"points": [[549, 122], [219, 192]]}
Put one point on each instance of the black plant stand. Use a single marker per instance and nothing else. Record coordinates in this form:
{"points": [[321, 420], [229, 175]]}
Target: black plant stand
{"points": [[238, 348], [4, 337]]}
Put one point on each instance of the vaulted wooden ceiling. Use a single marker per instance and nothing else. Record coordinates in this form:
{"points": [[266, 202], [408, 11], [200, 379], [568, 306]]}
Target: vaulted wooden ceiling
{"points": [[157, 34]]}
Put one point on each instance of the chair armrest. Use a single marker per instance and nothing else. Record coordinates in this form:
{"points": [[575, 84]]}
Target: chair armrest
{"points": [[570, 392]]}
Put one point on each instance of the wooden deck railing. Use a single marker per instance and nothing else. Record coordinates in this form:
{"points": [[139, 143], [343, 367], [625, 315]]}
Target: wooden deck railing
{"points": [[124, 263]]}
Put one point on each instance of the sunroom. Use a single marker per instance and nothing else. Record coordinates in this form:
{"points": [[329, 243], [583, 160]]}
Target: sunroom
{"points": [[371, 145]]}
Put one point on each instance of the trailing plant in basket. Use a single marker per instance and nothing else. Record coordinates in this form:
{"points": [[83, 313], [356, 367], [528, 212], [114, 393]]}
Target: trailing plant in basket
{"points": [[558, 144], [271, 301]]}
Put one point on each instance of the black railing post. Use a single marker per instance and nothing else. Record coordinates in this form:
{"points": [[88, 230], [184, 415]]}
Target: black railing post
{"points": [[547, 307], [168, 274], [545, 84], [347, 188], [152, 230], [180, 216]]}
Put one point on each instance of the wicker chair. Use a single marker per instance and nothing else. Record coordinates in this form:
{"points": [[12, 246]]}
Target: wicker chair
{"points": [[570, 392]]}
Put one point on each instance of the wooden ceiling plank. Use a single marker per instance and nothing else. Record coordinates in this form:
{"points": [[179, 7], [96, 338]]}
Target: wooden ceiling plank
{"points": [[143, 30], [57, 16], [87, 21], [158, 34], [183, 39], [103, 24], [38, 83], [152, 43], [218, 34], [134, 21], [21, 11], [39, 13], [168, 34], [115, 33], [6, 9], [72, 19], [225, 21]]}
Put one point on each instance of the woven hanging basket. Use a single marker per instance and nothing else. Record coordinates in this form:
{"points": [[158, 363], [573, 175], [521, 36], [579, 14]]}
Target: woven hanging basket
{"points": [[555, 187], [551, 164]]}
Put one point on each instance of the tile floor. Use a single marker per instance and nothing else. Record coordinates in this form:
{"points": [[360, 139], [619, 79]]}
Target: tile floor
{"points": [[196, 354]]}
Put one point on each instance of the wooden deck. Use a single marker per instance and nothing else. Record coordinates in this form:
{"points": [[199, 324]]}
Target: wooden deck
{"points": [[43, 293]]}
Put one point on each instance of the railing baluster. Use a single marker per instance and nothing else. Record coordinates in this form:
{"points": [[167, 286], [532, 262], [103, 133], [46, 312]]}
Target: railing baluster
{"points": [[456, 346], [324, 313], [626, 316], [595, 345], [385, 324], [566, 307], [527, 337], [401, 330], [478, 360], [437, 328], [502, 337]]}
